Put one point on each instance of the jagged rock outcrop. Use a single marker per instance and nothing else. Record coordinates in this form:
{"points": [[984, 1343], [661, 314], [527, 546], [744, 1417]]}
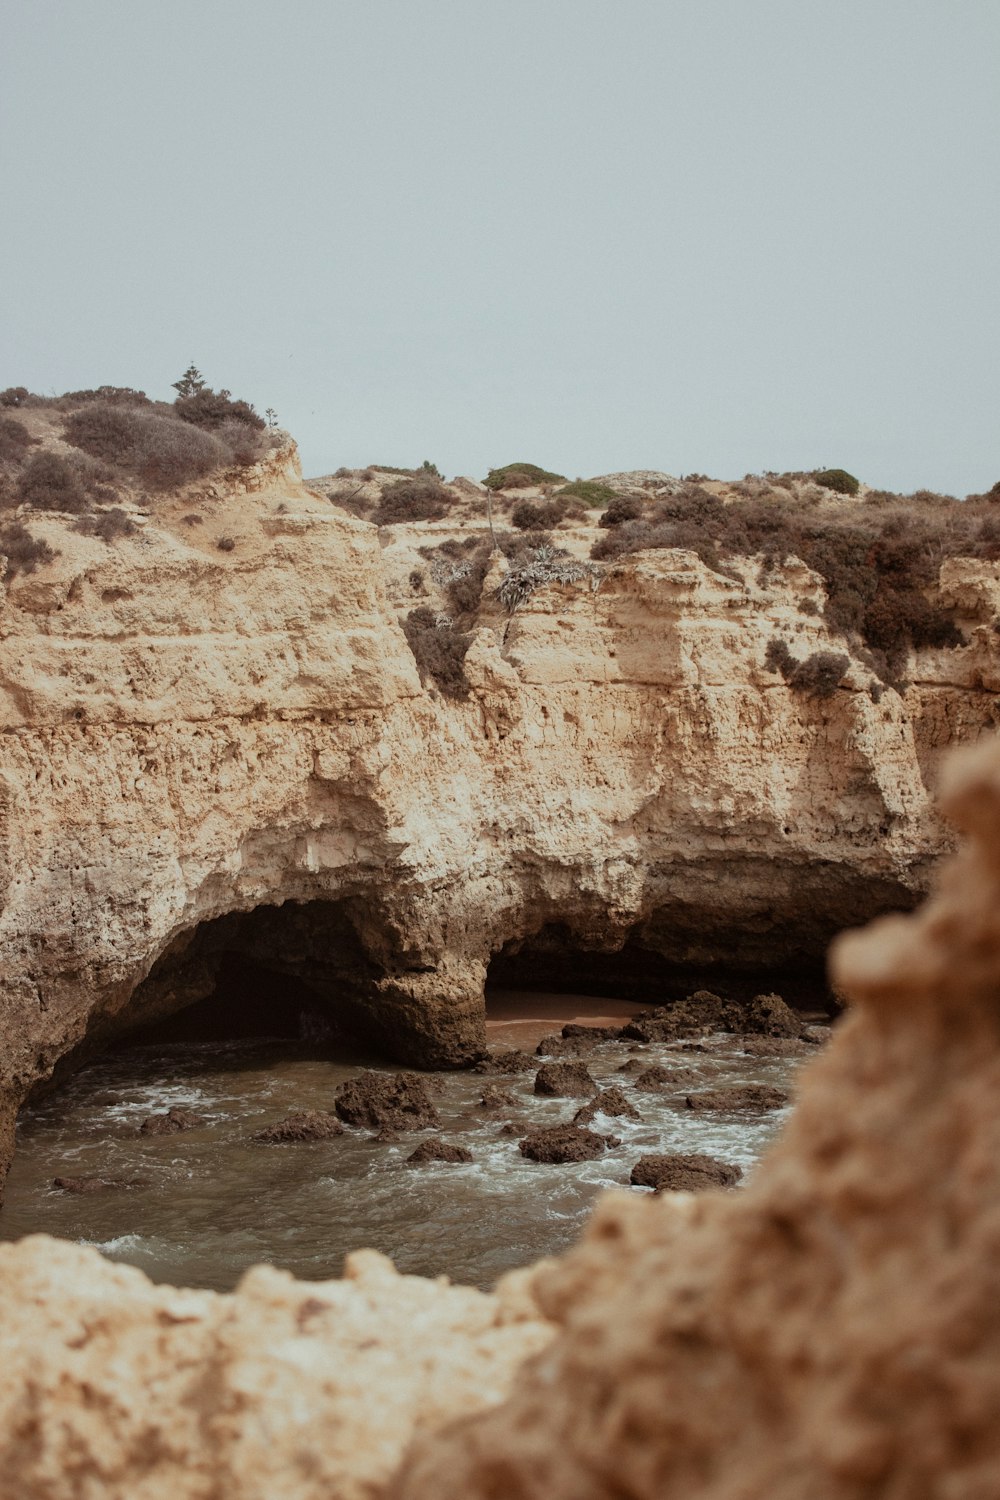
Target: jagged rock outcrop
{"points": [[210, 752], [834, 1329], [113, 1387]]}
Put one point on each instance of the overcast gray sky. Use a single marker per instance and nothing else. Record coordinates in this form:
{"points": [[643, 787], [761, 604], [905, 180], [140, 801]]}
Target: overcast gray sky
{"points": [[715, 235]]}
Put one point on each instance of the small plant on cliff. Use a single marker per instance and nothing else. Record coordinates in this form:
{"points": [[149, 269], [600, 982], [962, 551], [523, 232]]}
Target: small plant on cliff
{"points": [[48, 482], [438, 650], [109, 525], [537, 515], [621, 509], [818, 676], [23, 552], [15, 440], [546, 565]]}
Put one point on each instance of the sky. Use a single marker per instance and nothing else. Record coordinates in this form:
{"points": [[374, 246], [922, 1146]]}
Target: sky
{"points": [[719, 236]]}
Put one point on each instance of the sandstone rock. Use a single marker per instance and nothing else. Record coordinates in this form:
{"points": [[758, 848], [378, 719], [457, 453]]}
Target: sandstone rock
{"points": [[817, 1036], [565, 1079], [768, 1015], [655, 1079], [308, 1125], [738, 1097], [685, 1174], [566, 1143], [171, 1123], [610, 1101], [438, 1151], [496, 1098], [309, 1390], [705, 1012], [386, 1101]]}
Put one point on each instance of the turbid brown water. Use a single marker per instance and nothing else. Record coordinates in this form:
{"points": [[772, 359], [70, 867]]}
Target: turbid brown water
{"points": [[213, 1202]]}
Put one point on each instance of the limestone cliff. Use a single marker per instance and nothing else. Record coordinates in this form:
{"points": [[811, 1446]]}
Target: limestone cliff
{"points": [[831, 1331], [208, 746]]}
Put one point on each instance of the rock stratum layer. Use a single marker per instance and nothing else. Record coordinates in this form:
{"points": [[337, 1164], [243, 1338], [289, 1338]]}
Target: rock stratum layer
{"points": [[208, 750], [831, 1331]]}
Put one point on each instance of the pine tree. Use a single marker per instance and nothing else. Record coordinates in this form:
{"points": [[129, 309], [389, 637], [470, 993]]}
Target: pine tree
{"points": [[190, 383]]}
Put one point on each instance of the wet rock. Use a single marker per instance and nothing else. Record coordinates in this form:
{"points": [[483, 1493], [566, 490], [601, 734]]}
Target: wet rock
{"points": [[386, 1137], [98, 1184], [107, 1100], [510, 1060], [564, 1080], [611, 1101], [741, 1096], [576, 1040], [768, 1015], [512, 1127], [171, 1123], [704, 1013], [496, 1098], [816, 1035], [655, 1079], [774, 1046], [437, 1150], [634, 1065], [684, 1174], [566, 1143], [309, 1125], [386, 1101]]}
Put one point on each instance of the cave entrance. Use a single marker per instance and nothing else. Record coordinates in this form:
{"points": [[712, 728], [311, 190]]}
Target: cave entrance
{"points": [[295, 972], [553, 972]]}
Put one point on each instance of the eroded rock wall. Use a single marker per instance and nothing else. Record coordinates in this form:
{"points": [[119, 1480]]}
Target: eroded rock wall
{"points": [[189, 732]]}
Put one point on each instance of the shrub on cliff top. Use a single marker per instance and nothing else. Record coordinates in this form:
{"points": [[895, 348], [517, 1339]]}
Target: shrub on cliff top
{"points": [[15, 440], [412, 500], [588, 490], [520, 477], [48, 482], [213, 409], [537, 515], [838, 480], [157, 449], [622, 508]]}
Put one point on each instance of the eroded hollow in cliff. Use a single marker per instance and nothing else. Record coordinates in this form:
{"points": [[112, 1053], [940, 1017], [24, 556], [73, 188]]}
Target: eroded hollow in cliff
{"points": [[295, 971]]}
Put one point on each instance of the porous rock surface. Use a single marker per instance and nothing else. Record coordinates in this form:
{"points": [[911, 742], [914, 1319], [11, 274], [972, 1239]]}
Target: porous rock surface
{"points": [[832, 1330], [112, 1388], [205, 752]]}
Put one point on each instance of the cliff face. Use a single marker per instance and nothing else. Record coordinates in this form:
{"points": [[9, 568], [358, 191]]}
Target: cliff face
{"points": [[832, 1330], [207, 748]]}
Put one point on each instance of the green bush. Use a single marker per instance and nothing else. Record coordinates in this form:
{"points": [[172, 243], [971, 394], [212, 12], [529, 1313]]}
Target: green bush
{"points": [[587, 490], [520, 477], [836, 479], [820, 675], [535, 515]]}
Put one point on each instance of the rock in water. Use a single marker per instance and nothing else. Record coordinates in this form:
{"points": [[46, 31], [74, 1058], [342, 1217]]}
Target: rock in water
{"points": [[509, 1060], [496, 1098], [685, 1174], [98, 1184], [438, 1151], [309, 1125], [171, 1123], [740, 1096], [611, 1101], [386, 1101], [565, 1143], [564, 1080]]}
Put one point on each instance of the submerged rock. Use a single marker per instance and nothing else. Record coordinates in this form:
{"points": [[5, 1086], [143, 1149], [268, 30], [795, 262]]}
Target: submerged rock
{"points": [[170, 1123], [564, 1080], [684, 1174], [510, 1060], [565, 1143], [386, 1101], [610, 1101], [576, 1039], [437, 1150], [774, 1046], [309, 1125], [98, 1184], [740, 1096], [655, 1079], [496, 1098]]}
